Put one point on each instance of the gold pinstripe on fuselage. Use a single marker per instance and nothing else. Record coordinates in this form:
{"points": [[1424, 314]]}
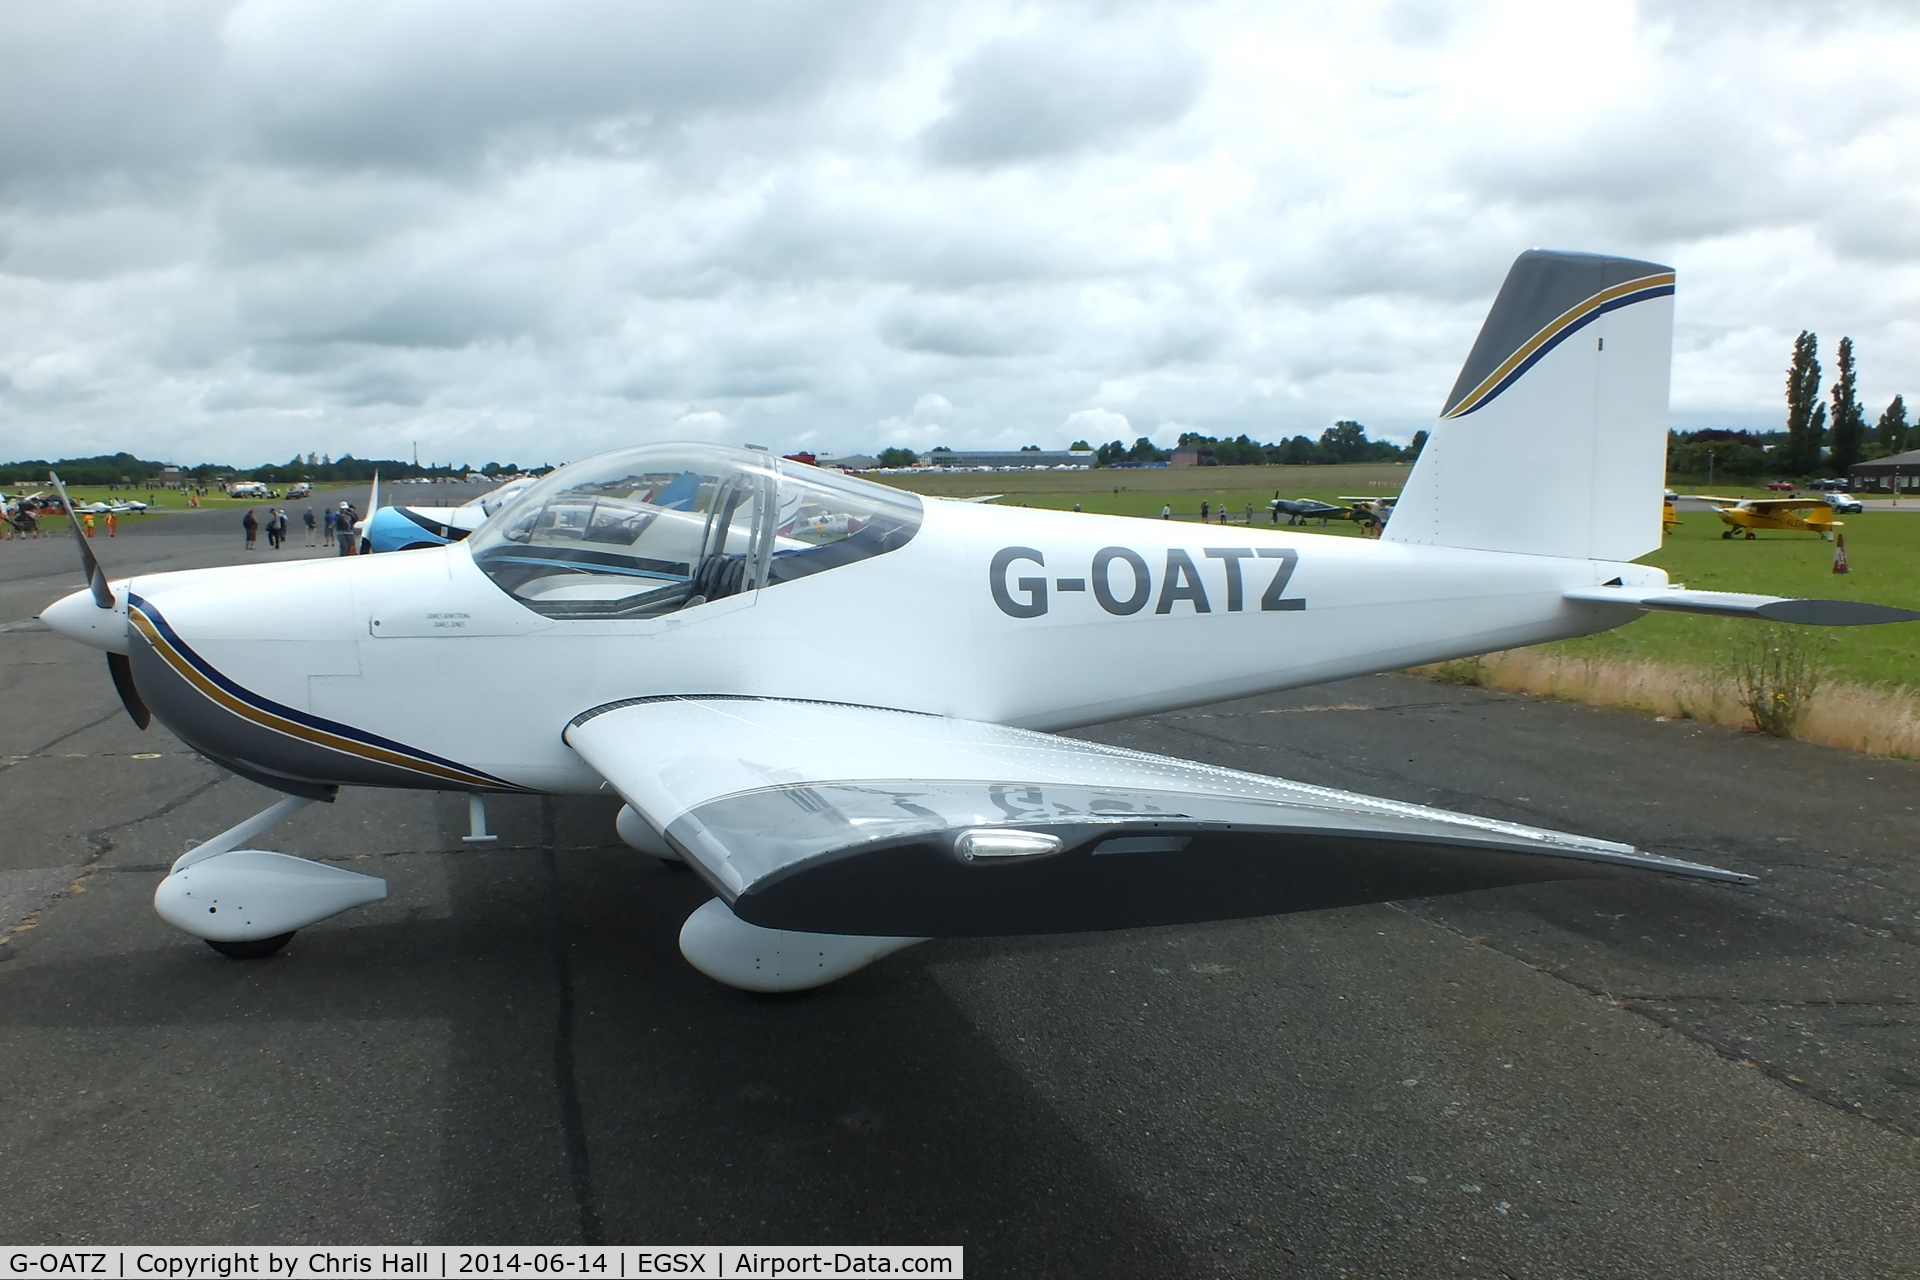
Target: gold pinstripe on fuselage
{"points": [[186, 670]]}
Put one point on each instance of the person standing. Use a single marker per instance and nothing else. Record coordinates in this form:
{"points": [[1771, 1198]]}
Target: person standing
{"points": [[113, 523], [279, 528], [1205, 507], [88, 518], [328, 532], [310, 525], [347, 518], [1166, 512], [251, 523]]}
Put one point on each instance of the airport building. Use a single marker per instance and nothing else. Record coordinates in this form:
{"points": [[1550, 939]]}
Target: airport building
{"points": [[1002, 459], [1897, 474]]}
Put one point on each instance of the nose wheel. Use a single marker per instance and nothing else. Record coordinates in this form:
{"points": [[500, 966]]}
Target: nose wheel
{"points": [[253, 949]]}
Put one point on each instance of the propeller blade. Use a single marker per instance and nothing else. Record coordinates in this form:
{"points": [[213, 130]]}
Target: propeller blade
{"points": [[122, 668], [373, 507], [96, 578]]}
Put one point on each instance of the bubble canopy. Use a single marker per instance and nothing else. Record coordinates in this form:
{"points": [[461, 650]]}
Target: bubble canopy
{"points": [[656, 528]]}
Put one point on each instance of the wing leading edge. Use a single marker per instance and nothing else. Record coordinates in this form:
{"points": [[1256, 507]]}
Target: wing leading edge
{"points": [[825, 818]]}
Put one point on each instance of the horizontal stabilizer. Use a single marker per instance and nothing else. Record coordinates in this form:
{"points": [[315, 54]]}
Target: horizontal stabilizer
{"points": [[826, 818], [1734, 604]]}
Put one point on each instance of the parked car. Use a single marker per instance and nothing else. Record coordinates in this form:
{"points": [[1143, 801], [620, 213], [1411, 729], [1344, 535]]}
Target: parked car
{"points": [[1843, 505], [1828, 486], [1780, 486]]}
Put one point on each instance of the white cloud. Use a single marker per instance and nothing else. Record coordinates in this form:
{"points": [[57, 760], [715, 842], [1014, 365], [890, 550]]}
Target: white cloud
{"points": [[1098, 426], [237, 229]]}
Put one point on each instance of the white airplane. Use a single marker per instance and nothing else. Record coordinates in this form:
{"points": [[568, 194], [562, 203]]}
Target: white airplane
{"points": [[834, 700]]}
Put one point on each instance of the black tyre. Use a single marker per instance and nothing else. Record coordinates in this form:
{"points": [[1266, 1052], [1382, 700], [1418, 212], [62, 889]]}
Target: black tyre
{"points": [[253, 949]]}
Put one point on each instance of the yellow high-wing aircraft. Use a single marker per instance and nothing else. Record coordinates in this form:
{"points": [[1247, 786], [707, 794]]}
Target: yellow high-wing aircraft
{"points": [[1371, 514], [1748, 514]]}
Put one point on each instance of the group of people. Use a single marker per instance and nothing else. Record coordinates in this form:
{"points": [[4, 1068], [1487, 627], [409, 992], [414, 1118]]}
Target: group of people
{"points": [[1207, 512], [19, 521], [336, 528]]}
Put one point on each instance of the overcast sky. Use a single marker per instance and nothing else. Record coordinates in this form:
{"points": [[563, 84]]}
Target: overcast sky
{"points": [[527, 232]]}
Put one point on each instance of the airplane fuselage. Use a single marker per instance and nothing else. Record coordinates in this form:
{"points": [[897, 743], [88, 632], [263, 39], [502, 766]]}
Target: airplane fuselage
{"points": [[361, 670]]}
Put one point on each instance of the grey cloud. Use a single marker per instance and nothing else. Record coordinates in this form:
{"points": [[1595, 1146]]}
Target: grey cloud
{"points": [[802, 232], [966, 327], [377, 385], [434, 84], [94, 244], [275, 215], [384, 304], [90, 87], [1182, 337], [1059, 91], [475, 223]]}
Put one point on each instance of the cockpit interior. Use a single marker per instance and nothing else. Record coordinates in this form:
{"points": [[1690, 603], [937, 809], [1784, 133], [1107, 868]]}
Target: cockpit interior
{"points": [[654, 529]]}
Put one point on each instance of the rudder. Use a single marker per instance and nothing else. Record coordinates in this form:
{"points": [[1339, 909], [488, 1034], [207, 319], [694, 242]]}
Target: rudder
{"points": [[1554, 438]]}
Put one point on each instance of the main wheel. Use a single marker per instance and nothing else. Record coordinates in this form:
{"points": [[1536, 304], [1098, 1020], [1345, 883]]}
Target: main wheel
{"points": [[252, 949]]}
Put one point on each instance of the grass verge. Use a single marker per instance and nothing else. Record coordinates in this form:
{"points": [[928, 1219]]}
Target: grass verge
{"points": [[1878, 719]]}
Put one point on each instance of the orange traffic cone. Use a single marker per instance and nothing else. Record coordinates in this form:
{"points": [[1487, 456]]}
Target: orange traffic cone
{"points": [[1840, 553]]}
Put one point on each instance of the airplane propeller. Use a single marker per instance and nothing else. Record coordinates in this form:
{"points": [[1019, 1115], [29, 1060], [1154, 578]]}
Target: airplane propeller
{"points": [[118, 664], [373, 509]]}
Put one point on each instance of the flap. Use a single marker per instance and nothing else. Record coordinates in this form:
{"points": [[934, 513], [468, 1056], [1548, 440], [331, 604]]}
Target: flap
{"points": [[827, 818], [1735, 604]]}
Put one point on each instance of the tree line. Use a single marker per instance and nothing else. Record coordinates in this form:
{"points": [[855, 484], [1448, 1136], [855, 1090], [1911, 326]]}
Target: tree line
{"points": [[125, 468], [1822, 433], [1343, 442]]}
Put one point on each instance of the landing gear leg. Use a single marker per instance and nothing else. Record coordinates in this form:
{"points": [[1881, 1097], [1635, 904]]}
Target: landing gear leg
{"points": [[477, 820]]}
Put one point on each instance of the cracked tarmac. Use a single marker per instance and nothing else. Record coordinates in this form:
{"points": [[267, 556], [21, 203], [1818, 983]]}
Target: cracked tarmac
{"points": [[1605, 1078]]}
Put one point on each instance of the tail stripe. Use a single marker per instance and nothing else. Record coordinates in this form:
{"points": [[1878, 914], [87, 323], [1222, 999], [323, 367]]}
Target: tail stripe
{"points": [[1556, 331]]}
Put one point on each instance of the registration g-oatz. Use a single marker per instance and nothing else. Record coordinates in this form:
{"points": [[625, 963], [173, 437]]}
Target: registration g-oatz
{"points": [[739, 646]]}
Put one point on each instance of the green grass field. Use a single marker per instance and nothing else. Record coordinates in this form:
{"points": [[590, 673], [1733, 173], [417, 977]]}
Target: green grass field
{"points": [[1883, 548], [1127, 492], [165, 500]]}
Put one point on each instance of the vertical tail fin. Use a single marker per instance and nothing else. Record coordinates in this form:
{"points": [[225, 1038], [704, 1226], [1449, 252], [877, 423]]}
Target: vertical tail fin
{"points": [[1554, 438]]}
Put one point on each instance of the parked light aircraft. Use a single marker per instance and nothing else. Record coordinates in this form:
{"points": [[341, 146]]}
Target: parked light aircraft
{"points": [[1744, 515], [1301, 510], [738, 647], [407, 528], [1371, 514]]}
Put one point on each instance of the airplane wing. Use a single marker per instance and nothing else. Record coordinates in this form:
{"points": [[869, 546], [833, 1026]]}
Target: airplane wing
{"points": [[828, 818], [1735, 604], [1768, 506]]}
